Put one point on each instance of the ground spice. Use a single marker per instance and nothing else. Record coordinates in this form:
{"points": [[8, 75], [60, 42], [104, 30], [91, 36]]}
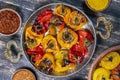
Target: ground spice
{"points": [[23, 74], [9, 22], [98, 5]]}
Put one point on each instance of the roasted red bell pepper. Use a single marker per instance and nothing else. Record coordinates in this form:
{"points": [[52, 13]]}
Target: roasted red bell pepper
{"points": [[42, 21], [37, 57], [44, 18], [79, 50], [85, 36], [75, 58], [36, 52], [77, 53]]}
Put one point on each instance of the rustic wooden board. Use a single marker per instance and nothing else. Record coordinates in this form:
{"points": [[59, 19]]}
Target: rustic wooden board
{"points": [[26, 7]]}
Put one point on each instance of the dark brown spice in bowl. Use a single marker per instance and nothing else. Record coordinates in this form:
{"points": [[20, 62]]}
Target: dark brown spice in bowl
{"points": [[9, 21]]}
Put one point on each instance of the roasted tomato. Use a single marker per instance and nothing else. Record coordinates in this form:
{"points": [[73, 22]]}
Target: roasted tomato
{"points": [[42, 22], [116, 73], [110, 61]]}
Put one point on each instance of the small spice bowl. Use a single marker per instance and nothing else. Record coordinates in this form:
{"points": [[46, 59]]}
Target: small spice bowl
{"points": [[10, 21], [23, 74], [93, 5]]}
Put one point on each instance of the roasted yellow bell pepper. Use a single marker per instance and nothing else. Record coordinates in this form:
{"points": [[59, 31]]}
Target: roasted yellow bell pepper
{"points": [[62, 61], [60, 68], [48, 56], [56, 24], [110, 61], [101, 74], [52, 30], [46, 64], [32, 39], [75, 20], [62, 11], [50, 44], [63, 54], [67, 38]]}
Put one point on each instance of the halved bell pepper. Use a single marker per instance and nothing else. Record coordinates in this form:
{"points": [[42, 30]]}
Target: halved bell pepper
{"points": [[62, 11], [67, 38], [77, 53], [50, 44], [41, 23], [60, 67], [75, 20], [46, 64], [110, 61], [56, 24], [85, 37], [32, 39], [101, 74], [62, 61], [62, 54], [36, 53]]}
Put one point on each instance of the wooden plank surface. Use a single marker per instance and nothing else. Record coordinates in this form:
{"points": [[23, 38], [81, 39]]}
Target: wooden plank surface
{"points": [[26, 7]]}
